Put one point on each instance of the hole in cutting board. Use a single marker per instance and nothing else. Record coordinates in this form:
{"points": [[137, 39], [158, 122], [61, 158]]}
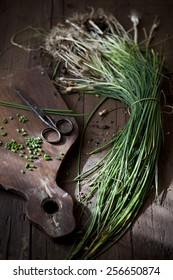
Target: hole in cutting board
{"points": [[50, 206]]}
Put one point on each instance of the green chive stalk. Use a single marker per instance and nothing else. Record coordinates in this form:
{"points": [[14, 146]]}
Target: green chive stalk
{"points": [[60, 112], [110, 63]]}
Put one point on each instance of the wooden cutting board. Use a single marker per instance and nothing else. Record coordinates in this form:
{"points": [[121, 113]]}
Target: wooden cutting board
{"points": [[47, 205]]}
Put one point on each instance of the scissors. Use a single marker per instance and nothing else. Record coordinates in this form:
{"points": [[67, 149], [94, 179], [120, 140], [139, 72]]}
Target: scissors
{"points": [[53, 133]]}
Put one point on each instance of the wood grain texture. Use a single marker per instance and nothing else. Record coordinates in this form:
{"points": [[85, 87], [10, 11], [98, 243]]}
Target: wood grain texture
{"points": [[151, 234], [38, 187]]}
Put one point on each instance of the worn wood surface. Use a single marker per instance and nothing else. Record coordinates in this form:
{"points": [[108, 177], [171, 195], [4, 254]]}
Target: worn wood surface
{"points": [[48, 205], [151, 235]]}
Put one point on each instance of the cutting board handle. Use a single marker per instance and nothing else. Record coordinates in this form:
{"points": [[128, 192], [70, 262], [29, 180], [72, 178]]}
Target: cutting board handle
{"points": [[52, 211]]}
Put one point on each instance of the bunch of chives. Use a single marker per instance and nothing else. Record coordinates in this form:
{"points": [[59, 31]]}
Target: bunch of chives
{"points": [[110, 63]]}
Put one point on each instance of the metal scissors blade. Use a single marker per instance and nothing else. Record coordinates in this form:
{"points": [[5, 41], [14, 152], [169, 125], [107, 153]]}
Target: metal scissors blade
{"points": [[33, 105]]}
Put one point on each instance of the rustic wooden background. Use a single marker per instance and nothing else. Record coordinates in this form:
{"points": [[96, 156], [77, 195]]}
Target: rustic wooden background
{"points": [[151, 235]]}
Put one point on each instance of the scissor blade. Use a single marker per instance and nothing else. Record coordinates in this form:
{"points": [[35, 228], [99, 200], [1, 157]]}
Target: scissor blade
{"points": [[30, 102]]}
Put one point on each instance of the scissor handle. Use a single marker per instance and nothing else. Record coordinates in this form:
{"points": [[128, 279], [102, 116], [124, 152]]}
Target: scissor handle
{"points": [[64, 126], [47, 132], [53, 134]]}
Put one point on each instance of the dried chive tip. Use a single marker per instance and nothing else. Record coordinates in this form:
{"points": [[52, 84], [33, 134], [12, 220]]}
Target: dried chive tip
{"points": [[4, 121], [22, 171]]}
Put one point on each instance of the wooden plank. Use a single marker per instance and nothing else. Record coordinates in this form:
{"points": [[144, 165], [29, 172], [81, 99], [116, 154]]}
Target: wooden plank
{"points": [[132, 240], [150, 236], [141, 243], [15, 16], [59, 249], [99, 131], [57, 12], [5, 221]]}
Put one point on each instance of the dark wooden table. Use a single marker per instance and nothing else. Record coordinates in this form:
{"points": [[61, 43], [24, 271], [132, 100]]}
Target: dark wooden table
{"points": [[151, 235]]}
